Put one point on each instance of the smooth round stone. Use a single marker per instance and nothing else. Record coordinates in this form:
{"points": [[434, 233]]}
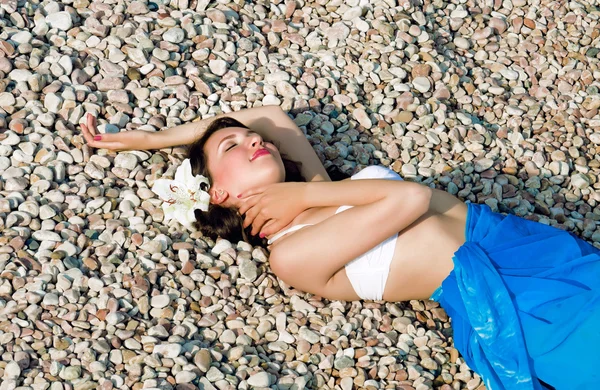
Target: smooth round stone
{"points": [[214, 375], [248, 270], [126, 160], [462, 43], [338, 31], [352, 13], [483, 164], [579, 180], [44, 235], [496, 90], [343, 362], [60, 20], [185, 377], [95, 284], [220, 247], [271, 100], [160, 301], [509, 74], [308, 335], [70, 373], [134, 74], [421, 84], [261, 379], [53, 102], [218, 67], [132, 344], [170, 351], [30, 208], [12, 370], [13, 172], [7, 99], [174, 35], [47, 212], [115, 55], [50, 299], [409, 170], [137, 55], [97, 367], [203, 360], [273, 78], [22, 37], [595, 138], [11, 139], [115, 318], [362, 118], [19, 75]]}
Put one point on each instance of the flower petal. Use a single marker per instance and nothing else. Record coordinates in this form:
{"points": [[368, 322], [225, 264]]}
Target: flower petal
{"points": [[162, 188], [191, 217], [184, 172], [169, 211], [183, 217], [203, 201]]}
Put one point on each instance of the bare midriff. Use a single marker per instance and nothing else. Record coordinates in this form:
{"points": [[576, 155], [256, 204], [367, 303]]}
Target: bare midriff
{"points": [[424, 250]]}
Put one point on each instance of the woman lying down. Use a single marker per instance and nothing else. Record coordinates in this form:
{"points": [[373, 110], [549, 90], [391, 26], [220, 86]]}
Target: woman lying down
{"points": [[523, 296]]}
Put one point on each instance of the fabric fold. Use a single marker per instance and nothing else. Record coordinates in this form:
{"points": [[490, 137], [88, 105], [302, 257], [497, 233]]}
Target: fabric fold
{"points": [[524, 303]]}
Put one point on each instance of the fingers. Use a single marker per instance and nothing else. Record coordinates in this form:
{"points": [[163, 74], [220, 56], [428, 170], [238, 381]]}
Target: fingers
{"points": [[250, 216], [271, 227], [91, 124], [248, 204], [257, 224], [251, 192]]}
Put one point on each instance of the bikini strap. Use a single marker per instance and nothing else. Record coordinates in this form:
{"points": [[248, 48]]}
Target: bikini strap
{"points": [[286, 231]]}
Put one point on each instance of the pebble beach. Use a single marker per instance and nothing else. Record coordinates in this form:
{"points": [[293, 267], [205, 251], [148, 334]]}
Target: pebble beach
{"points": [[494, 101]]}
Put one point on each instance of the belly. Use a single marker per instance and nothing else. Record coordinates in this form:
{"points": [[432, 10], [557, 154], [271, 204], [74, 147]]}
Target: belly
{"points": [[423, 254]]}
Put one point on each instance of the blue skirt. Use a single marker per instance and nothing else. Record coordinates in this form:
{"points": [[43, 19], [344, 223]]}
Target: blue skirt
{"points": [[524, 302]]}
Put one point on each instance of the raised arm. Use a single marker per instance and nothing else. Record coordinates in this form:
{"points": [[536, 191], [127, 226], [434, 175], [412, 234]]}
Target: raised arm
{"points": [[271, 122]]}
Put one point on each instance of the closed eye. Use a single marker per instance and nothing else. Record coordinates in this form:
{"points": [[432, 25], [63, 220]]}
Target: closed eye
{"points": [[230, 147]]}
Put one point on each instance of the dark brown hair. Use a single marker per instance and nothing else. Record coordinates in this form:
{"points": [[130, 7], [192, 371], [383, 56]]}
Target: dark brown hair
{"points": [[221, 221]]}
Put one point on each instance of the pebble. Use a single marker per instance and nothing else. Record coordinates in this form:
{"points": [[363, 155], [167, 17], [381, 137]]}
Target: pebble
{"points": [[7, 99], [422, 84], [185, 377], [60, 20], [174, 35], [169, 351], [218, 67], [260, 379], [160, 301]]}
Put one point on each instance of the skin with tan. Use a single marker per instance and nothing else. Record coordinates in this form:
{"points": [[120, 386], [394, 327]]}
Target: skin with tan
{"points": [[430, 222]]}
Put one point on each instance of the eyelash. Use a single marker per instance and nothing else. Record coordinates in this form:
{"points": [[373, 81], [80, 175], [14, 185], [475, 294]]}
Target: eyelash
{"points": [[230, 147]]}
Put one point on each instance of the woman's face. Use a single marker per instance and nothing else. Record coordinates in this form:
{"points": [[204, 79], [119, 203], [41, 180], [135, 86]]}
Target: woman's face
{"points": [[239, 160]]}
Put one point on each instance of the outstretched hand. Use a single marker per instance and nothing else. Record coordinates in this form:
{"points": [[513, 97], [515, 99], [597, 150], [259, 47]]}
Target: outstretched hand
{"points": [[270, 208], [127, 140]]}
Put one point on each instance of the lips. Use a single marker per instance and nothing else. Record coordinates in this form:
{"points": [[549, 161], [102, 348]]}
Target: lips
{"points": [[258, 153]]}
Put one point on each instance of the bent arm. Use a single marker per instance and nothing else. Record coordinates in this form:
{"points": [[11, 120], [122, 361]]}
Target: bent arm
{"points": [[309, 258], [271, 122]]}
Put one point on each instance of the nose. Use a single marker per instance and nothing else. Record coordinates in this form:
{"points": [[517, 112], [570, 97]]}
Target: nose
{"points": [[256, 140]]}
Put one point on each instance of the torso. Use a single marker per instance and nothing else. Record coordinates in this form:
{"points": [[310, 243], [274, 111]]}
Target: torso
{"points": [[423, 254]]}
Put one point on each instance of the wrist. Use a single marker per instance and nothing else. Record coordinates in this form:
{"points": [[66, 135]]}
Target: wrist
{"points": [[305, 196]]}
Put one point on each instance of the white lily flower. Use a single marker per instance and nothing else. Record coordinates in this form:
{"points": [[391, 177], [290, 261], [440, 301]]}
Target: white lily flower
{"points": [[183, 195]]}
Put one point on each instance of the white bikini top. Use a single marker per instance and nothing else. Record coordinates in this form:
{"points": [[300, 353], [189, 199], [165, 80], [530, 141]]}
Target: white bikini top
{"points": [[370, 172]]}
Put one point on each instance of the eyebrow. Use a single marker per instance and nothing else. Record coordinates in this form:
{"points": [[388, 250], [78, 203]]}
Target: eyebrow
{"points": [[248, 132]]}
